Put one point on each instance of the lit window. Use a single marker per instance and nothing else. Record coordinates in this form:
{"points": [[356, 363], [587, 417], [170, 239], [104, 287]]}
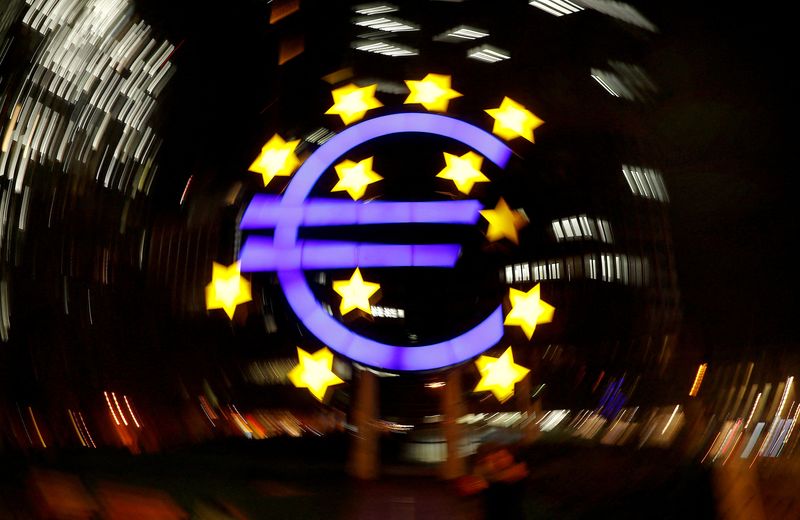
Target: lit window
{"points": [[461, 33], [386, 49], [644, 182], [376, 8], [386, 24], [488, 54], [556, 7]]}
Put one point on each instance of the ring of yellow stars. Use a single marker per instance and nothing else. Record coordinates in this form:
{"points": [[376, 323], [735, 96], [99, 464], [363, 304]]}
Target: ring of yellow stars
{"points": [[355, 177], [228, 288], [314, 372], [277, 159], [464, 171], [352, 102], [355, 293], [503, 222], [512, 119], [528, 310], [499, 375], [433, 92]]}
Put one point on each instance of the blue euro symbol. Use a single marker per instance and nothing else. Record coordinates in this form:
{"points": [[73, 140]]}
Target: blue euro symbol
{"points": [[290, 256]]}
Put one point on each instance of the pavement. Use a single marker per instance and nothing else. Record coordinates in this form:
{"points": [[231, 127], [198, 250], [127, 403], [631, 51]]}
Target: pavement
{"points": [[305, 479]]}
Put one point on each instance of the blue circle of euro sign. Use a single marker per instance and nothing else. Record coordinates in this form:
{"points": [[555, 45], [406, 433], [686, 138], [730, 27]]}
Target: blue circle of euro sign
{"points": [[288, 256]]}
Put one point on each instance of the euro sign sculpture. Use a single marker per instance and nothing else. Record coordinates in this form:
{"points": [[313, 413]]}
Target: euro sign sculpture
{"points": [[290, 256]]}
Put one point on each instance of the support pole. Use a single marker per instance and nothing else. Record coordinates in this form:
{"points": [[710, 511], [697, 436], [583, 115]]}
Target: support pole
{"points": [[453, 408], [363, 463]]}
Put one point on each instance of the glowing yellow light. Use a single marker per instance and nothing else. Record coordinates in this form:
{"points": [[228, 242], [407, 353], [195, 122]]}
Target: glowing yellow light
{"points": [[499, 375], [227, 289], [503, 222], [433, 92], [314, 372], [355, 293], [512, 119], [464, 171], [351, 102], [355, 177], [528, 310], [698, 379], [277, 159]]}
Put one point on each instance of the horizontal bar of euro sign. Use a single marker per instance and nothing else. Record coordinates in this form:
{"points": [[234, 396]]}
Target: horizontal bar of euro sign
{"points": [[260, 254], [266, 211]]}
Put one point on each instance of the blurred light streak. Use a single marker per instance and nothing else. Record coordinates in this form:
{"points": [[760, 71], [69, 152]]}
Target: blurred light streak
{"points": [[620, 11], [36, 426], [86, 430], [375, 8], [12, 123], [793, 422], [75, 427], [599, 77], [111, 408], [290, 47], [711, 446], [645, 182], [386, 23], [698, 379], [769, 437], [280, 9], [122, 415], [186, 189], [488, 54], [461, 33], [753, 438], [556, 7], [136, 422], [755, 404]]}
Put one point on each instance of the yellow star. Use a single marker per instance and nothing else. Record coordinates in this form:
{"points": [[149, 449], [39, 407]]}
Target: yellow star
{"points": [[227, 289], [512, 119], [527, 310], [314, 372], [503, 222], [277, 159], [354, 177], [464, 171], [351, 102], [499, 375], [433, 92], [355, 293]]}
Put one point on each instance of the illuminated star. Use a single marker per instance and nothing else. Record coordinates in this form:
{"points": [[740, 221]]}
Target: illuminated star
{"points": [[528, 310], [351, 102], [355, 293], [512, 119], [464, 171], [499, 375], [227, 289], [277, 159], [433, 92], [354, 177], [314, 372], [503, 222]]}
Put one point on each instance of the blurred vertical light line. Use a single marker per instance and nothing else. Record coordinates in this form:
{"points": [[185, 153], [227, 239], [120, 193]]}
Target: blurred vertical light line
{"points": [[110, 408], [86, 429], [12, 122], [791, 427], [121, 415], [89, 302], [75, 426], [755, 404], [125, 397], [36, 426]]}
